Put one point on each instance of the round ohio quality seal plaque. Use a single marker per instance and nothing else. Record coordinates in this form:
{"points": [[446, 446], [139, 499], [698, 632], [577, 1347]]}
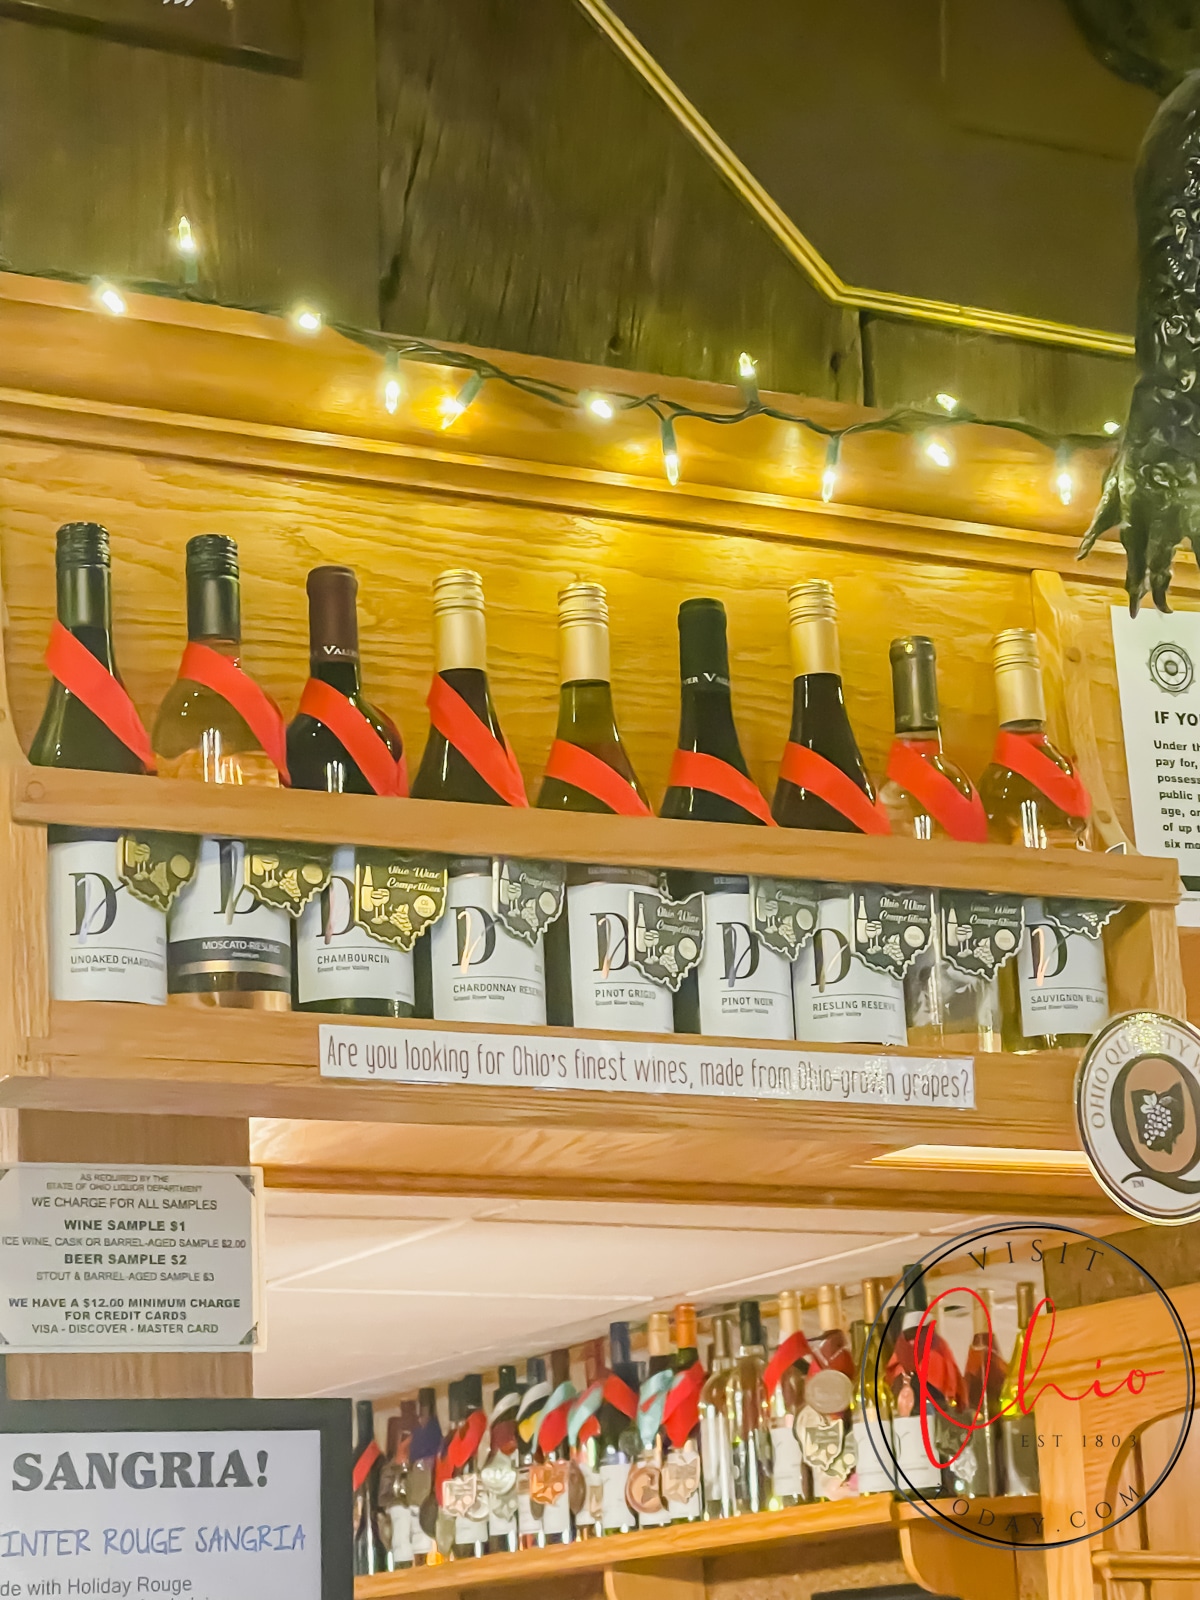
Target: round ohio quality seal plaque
{"points": [[1137, 1102]]}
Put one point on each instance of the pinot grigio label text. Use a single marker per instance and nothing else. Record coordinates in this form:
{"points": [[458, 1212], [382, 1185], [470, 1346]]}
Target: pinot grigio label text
{"points": [[124, 1258], [399, 1053]]}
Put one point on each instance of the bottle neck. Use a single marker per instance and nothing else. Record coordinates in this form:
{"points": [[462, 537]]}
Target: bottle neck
{"points": [[583, 650], [818, 704], [585, 713], [342, 672], [1024, 725], [84, 599], [706, 721], [214, 608], [459, 640]]}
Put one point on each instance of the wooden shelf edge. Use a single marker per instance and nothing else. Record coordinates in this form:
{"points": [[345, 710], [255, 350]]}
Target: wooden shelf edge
{"points": [[111, 801]]}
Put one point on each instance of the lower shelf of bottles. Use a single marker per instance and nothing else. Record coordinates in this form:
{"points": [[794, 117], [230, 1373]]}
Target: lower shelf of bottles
{"points": [[827, 1522]]}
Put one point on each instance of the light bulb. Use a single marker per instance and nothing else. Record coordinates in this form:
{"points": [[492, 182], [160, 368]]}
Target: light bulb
{"points": [[108, 297], [185, 239], [306, 319], [670, 450], [828, 483], [948, 402], [1065, 484], [937, 453], [599, 407], [1111, 427], [391, 396], [746, 366], [454, 405]]}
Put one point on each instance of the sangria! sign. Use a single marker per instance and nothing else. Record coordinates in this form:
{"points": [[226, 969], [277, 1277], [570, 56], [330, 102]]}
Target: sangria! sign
{"points": [[962, 1407]]}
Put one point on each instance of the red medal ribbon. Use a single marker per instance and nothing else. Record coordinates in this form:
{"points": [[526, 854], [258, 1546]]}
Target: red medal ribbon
{"points": [[618, 1393], [386, 773], [1025, 753], [258, 711], [942, 1372], [362, 1467], [793, 1349], [569, 763], [460, 1448], [90, 681], [492, 759], [809, 770], [691, 769], [682, 1410], [910, 765], [552, 1429]]}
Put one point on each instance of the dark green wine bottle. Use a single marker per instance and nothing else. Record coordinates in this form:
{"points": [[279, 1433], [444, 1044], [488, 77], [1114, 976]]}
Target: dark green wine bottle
{"points": [[339, 967], [105, 944]]}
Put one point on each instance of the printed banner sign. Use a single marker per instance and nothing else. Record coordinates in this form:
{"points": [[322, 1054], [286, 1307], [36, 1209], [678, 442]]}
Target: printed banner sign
{"points": [[118, 1258], [208, 1499], [400, 1054]]}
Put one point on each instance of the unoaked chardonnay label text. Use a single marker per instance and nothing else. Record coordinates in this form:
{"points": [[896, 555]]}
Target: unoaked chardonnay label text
{"points": [[105, 944], [338, 960], [481, 973], [745, 989]]}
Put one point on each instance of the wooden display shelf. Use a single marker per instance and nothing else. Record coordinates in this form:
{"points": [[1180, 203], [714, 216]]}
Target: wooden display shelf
{"points": [[106, 800], [665, 1551]]}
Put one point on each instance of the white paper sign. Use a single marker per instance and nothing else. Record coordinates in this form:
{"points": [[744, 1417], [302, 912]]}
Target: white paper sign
{"points": [[1158, 676], [129, 1258], [662, 1066], [191, 1515]]}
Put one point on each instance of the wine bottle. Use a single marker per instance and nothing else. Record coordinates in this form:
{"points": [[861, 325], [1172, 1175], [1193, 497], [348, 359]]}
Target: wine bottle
{"points": [[470, 968], [872, 1406], [529, 1410], [105, 943], [716, 1452], [1055, 995], [618, 1441], [553, 1451], [470, 1531], [423, 1453], [828, 1394], [370, 1551], [784, 1378], [682, 1482], [339, 743], [927, 797], [215, 725], [591, 981], [823, 784], [748, 1414], [1018, 1432], [740, 987], [583, 1440], [914, 1421], [645, 1480], [501, 1475], [975, 1472], [395, 1513]]}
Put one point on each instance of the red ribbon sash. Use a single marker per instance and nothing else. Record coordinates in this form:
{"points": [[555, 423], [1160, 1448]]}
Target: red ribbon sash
{"points": [[962, 816], [362, 1467], [1025, 753], [569, 763], [387, 774], [552, 1429], [682, 1410], [492, 759], [942, 1372], [257, 710], [808, 770], [794, 1348], [690, 769], [90, 681], [618, 1393], [460, 1448]]}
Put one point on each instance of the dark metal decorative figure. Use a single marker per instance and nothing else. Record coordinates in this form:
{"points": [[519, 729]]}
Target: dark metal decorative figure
{"points": [[1152, 492]]}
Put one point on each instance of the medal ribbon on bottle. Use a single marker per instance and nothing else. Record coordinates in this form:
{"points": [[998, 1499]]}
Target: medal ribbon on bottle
{"points": [[910, 765], [808, 769], [652, 1402], [794, 1348], [77, 669], [618, 1393], [570, 763], [581, 1419], [463, 1444], [553, 1419], [531, 1410], [492, 758], [929, 1352], [387, 774], [682, 1410], [258, 711], [1025, 753], [692, 769], [362, 1467]]}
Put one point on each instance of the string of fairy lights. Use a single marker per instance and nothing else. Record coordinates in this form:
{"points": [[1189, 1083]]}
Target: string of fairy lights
{"points": [[929, 425]]}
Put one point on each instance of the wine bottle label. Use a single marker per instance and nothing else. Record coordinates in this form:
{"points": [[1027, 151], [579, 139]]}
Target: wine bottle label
{"points": [[1018, 1453], [422, 1543], [556, 1517], [682, 1482], [500, 1526], [1080, 916], [891, 926], [876, 1474], [607, 991], [916, 1471], [105, 943], [216, 926], [839, 1000], [716, 1459], [400, 1531], [745, 990], [616, 1513], [1061, 978], [789, 1463], [480, 972], [527, 1524], [335, 958], [668, 936], [467, 1531]]}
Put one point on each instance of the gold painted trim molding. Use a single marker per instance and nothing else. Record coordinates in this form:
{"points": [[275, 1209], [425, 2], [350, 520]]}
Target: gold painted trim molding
{"points": [[801, 250]]}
